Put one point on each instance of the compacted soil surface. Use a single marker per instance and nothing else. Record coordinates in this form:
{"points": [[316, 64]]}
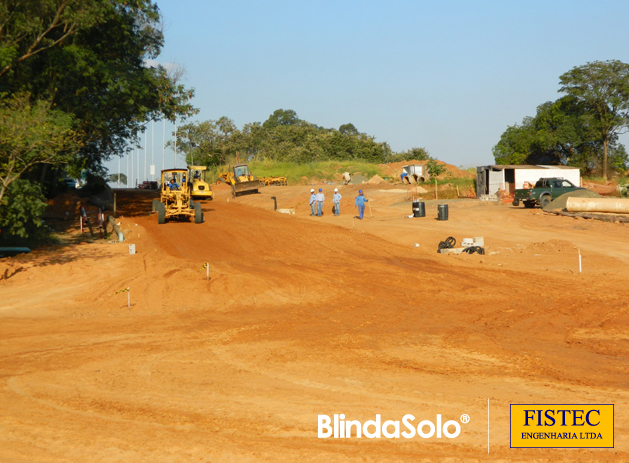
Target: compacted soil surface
{"points": [[242, 330]]}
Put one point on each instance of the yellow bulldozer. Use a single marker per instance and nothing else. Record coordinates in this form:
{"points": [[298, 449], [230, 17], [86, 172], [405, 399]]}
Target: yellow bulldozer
{"points": [[199, 186], [241, 180], [175, 198]]}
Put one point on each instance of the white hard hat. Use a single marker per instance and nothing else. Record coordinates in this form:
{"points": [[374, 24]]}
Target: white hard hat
{"points": [[312, 191], [336, 189]]}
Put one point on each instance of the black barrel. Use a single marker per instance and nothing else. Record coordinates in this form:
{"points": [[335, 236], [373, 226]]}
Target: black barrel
{"points": [[442, 212], [421, 209]]}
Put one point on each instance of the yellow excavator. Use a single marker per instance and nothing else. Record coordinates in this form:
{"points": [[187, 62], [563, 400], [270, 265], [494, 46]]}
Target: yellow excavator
{"points": [[197, 181]]}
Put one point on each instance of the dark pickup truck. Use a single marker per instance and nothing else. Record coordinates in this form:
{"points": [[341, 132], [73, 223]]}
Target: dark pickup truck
{"points": [[544, 191]]}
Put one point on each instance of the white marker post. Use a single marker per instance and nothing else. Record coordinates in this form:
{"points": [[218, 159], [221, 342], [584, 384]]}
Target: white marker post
{"points": [[207, 271], [129, 298], [580, 269]]}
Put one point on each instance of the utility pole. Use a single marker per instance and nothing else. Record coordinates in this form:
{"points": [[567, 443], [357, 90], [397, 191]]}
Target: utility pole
{"points": [[144, 172], [163, 144], [175, 156], [118, 171], [152, 146]]}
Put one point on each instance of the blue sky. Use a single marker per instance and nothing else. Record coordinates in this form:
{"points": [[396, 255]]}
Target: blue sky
{"points": [[447, 76]]}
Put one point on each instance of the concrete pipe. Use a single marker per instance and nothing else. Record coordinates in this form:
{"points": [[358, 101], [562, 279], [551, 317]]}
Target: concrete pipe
{"points": [[117, 229], [617, 205]]}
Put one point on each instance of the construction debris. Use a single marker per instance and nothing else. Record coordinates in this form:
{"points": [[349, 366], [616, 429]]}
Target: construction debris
{"points": [[468, 246]]}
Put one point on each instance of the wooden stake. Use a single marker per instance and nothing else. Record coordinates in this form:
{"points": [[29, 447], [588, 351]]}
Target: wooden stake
{"points": [[457, 191], [579, 261], [129, 298], [436, 194], [207, 271]]}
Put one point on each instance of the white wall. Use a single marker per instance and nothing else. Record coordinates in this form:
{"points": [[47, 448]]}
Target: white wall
{"points": [[496, 181]]}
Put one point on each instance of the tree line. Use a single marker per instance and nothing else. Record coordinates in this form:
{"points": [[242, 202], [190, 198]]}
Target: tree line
{"points": [[579, 129], [282, 137]]}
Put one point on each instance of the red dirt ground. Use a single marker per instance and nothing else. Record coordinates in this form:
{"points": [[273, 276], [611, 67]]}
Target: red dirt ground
{"points": [[304, 316]]}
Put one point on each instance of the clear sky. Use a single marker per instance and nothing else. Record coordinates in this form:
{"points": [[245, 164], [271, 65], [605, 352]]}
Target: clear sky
{"points": [[447, 76]]}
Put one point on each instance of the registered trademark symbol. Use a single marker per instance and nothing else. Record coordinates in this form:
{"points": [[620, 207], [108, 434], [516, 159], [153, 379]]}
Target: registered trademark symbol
{"points": [[465, 418]]}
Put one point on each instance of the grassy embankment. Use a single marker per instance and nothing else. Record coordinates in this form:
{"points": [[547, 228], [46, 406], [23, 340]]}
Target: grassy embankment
{"points": [[302, 174], [331, 171]]}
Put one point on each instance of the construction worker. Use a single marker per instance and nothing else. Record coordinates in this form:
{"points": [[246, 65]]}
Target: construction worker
{"points": [[336, 199], [320, 199], [173, 185], [313, 203], [360, 203]]}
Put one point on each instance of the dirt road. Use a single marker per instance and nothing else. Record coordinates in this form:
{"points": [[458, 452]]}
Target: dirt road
{"points": [[303, 317]]}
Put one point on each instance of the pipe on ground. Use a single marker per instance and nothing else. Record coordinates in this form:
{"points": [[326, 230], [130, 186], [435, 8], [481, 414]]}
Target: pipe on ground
{"points": [[617, 205], [116, 229]]}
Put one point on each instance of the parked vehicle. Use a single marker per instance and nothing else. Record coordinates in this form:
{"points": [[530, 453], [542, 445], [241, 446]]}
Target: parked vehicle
{"points": [[70, 183], [544, 191], [148, 185]]}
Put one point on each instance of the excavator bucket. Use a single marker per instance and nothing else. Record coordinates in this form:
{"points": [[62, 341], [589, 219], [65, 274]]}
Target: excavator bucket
{"points": [[241, 187]]}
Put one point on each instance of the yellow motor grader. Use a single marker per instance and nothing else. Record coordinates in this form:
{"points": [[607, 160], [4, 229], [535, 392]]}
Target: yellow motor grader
{"points": [[199, 186], [175, 199]]}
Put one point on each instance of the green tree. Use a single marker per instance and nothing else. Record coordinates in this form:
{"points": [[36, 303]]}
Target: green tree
{"points": [[281, 117], [113, 178], [30, 27], [89, 57], [562, 132], [413, 154], [435, 169], [32, 134], [515, 143], [348, 129], [603, 88], [20, 214]]}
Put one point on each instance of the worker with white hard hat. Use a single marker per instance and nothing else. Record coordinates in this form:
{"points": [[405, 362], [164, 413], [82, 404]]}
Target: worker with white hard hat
{"points": [[313, 202], [336, 199], [320, 199]]}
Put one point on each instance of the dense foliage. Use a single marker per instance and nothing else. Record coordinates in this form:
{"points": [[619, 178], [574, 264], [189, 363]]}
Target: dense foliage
{"points": [[283, 137], [20, 212], [81, 66], [580, 129]]}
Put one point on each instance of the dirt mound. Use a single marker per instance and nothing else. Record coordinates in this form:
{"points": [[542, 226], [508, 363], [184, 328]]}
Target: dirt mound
{"points": [[65, 204], [394, 169], [376, 180], [560, 201], [550, 246], [608, 189]]}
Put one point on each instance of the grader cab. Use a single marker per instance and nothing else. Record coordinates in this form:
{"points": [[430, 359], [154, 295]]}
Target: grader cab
{"points": [[175, 199]]}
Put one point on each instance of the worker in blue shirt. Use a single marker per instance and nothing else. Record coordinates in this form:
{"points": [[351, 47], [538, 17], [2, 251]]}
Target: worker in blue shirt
{"points": [[320, 199], [173, 185], [360, 203], [313, 203], [336, 199]]}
